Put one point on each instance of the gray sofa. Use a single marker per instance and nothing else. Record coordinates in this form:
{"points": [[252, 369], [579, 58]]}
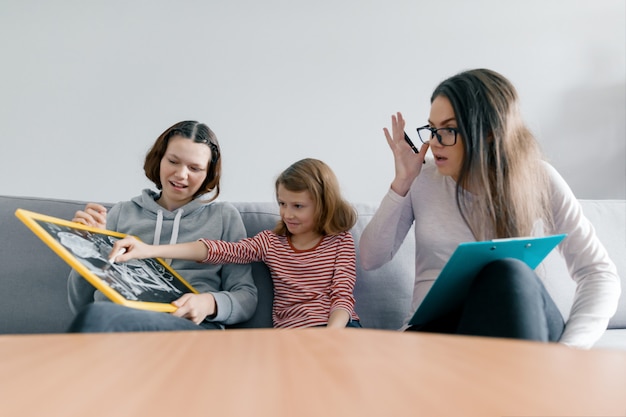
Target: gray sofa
{"points": [[33, 278]]}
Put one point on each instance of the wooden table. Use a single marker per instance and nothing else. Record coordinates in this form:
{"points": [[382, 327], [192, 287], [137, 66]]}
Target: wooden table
{"points": [[312, 372]]}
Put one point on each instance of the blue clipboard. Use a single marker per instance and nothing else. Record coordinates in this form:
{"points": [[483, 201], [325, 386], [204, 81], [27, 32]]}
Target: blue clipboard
{"points": [[451, 286]]}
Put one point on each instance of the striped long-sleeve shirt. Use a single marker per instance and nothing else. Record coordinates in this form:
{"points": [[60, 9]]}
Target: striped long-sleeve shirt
{"points": [[308, 284]]}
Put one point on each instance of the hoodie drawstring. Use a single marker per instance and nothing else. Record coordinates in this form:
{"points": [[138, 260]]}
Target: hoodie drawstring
{"points": [[157, 229], [175, 228]]}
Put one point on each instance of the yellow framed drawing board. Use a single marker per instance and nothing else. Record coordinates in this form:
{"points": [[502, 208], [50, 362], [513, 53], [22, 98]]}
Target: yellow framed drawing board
{"points": [[147, 284]]}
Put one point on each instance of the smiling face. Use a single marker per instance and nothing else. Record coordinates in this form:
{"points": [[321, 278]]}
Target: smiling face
{"points": [[183, 169], [448, 159], [297, 210]]}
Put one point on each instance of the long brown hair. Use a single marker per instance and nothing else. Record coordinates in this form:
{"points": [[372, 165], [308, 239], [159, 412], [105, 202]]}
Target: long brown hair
{"points": [[333, 214], [503, 164]]}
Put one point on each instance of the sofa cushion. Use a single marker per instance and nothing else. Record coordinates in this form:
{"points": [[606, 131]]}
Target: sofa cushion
{"points": [[257, 217], [383, 296]]}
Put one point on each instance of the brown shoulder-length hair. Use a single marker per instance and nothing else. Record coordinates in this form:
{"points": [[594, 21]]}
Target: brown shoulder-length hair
{"points": [[199, 133], [333, 214]]}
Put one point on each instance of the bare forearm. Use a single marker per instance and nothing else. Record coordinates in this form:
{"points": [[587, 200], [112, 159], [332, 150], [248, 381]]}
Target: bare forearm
{"points": [[190, 251]]}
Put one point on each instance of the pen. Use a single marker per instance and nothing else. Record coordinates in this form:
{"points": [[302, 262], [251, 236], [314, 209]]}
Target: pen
{"points": [[119, 252], [410, 142]]}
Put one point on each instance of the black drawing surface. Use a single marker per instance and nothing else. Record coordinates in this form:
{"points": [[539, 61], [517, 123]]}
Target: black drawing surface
{"points": [[142, 283]]}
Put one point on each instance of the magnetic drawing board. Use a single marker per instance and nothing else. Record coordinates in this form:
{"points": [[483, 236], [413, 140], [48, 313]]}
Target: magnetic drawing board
{"points": [[148, 284]]}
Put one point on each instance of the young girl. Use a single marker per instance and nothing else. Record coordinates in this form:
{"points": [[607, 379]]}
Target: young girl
{"points": [[488, 180], [310, 253], [185, 165]]}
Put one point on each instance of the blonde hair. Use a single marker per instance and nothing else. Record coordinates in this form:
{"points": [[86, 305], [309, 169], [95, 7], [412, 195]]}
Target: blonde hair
{"points": [[333, 214], [503, 164]]}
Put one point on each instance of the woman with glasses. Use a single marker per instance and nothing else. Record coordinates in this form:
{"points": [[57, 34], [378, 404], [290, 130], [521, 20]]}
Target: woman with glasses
{"points": [[185, 165], [487, 179]]}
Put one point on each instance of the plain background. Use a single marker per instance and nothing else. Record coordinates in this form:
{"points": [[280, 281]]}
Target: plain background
{"points": [[87, 86]]}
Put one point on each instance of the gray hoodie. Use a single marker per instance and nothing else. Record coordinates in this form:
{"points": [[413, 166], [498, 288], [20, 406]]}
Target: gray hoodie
{"points": [[231, 285]]}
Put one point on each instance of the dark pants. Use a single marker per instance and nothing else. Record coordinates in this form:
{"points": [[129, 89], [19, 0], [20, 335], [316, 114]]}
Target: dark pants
{"points": [[351, 323], [105, 316], [506, 299]]}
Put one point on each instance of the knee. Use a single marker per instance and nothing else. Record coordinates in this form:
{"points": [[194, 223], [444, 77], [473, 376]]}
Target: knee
{"points": [[507, 265], [90, 318], [507, 276], [507, 271]]}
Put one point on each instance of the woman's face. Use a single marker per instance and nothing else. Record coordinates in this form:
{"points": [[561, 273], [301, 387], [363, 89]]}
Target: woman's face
{"points": [[183, 169], [448, 159]]}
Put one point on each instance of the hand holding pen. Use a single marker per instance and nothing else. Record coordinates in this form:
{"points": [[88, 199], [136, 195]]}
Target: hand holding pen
{"points": [[111, 260], [410, 142], [408, 160], [130, 247]]}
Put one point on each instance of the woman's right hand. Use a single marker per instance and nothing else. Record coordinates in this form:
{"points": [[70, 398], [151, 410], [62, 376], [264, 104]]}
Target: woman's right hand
{"points": [[94, 215], [408, 164]]}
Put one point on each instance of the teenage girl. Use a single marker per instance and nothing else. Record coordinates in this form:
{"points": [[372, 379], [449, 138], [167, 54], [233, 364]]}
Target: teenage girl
{"points": [[185, 166]]}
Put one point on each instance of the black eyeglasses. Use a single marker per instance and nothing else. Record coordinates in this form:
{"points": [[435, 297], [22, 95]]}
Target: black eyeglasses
{"points": [[445, 135]]}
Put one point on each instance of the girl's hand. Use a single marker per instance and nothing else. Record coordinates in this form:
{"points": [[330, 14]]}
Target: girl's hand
{"points": [[94, 215], [195, 307], [408, 164], [130, 248], [338, 319]]}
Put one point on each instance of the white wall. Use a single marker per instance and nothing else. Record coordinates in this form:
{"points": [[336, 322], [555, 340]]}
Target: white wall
{"points": [[87, 86]]}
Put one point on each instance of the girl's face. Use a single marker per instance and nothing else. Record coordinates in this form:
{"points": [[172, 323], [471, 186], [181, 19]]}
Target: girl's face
{"points": [[297, 210], [183, 169], [448, 159]]}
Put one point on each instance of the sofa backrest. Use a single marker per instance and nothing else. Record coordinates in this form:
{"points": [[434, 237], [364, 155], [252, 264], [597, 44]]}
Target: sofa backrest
{"points": [[33, 279]]}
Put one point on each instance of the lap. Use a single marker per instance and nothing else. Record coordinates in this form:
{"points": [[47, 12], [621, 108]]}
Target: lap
{"points": [[506, 299], [109, 317]]}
